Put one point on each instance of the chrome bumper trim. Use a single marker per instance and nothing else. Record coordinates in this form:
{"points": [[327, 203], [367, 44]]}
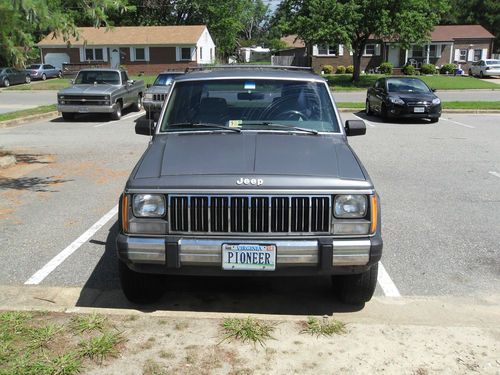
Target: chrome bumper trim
{"points": [[85, 108], [209, 252], [351, 252], [144, 250]]}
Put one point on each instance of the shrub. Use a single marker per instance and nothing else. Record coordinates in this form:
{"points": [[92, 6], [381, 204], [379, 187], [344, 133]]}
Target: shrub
{"points": [[448, 69], [428, 69], [349, 69], [409, 70], [327, 69], [340, 69], [386, 68]]}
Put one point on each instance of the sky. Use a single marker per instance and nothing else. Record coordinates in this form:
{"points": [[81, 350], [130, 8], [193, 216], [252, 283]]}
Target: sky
{"points": [[272, 4]]}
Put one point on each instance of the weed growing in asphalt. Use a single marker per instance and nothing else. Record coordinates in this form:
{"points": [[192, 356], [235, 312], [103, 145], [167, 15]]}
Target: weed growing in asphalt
{"points": [[40, 337], [101, 347], [89, 323], [323, 327], [151, 367], [248, 329]]}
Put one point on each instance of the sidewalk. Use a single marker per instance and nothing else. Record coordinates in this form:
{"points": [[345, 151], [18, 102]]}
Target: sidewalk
{"points": [[415, 336]]}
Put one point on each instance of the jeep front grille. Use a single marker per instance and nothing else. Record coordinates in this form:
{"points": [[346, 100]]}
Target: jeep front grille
{"points": [[159, 97], [254, 214]]}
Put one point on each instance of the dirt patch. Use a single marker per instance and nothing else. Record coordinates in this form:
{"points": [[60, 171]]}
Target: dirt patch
{"points": [[92, 171]]}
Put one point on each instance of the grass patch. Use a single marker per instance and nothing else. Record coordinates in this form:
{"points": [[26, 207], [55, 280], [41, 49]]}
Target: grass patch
{"points": [[101, 347], [47, 344], [27, 112], [356, 105], [342, 82], [323, 327], [89, 323], [49, 84], [248, 329]]}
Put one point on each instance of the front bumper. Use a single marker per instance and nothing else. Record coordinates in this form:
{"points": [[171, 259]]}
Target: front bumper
{"points": [[295, 256], [400, 111], [86, 108]]}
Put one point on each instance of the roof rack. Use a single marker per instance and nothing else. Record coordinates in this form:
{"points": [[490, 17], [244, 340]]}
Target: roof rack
{"points": [[247, 66]]}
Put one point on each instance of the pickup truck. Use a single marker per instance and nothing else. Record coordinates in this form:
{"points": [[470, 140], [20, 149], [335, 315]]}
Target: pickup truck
{"points": [[100, 91], [249, 173]]}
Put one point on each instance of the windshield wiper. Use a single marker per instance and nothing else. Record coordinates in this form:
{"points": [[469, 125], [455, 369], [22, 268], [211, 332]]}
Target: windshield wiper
{"points": [[202, 125], [283, 126]]}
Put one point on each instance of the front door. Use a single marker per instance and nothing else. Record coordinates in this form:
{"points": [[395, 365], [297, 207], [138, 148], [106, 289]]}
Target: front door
{"points": [[115, 57], [393, 56]]}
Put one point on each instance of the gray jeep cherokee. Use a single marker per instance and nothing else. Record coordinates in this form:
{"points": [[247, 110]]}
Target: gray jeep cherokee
{"points": [[249, 173]]}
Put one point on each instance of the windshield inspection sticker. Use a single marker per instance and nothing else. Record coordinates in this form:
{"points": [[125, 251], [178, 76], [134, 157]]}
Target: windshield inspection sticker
{"points": [[235, 123], [249, 86]]}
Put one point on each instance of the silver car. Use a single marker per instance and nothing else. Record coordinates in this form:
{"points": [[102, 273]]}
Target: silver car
{"points": [[43, 71], [155, 94], [485, 68]]}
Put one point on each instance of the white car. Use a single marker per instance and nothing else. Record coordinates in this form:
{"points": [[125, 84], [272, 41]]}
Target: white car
{"points": [[484, 68]]}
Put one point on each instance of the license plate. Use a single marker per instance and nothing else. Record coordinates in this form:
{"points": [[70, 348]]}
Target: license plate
{"points": [[419, 109], [83, 110], [252, 257]]}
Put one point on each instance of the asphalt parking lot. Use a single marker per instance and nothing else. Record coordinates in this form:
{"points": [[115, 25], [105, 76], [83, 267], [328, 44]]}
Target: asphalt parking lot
{"points": [[439, 185]]}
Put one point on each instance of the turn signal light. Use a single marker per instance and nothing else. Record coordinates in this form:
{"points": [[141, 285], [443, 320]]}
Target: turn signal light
{"points": [[125, 212], [374, 214]]}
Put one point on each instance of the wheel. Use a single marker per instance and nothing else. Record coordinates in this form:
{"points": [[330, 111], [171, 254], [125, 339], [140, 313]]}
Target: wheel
{"points": [[139, 287], [368, 109], [27, 79], [358, 288], [383, 113], [59, 75], [434, 119], [6, 82], [470, 73], [44, 77], [68, 116], [117, 114], [481, 75], [137, 106]]}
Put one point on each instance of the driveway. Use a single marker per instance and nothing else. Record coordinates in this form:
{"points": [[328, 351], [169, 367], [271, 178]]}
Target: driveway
{"points": [[445, 95], [11, 100]]}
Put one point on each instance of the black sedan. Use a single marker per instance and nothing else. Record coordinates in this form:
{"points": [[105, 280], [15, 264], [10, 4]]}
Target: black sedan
{"points": [[11, 76], [402, 97]]}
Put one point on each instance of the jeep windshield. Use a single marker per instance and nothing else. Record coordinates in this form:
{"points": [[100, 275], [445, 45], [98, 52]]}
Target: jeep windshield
{"points": [[164, 79], [251, 104], [95, 76]]}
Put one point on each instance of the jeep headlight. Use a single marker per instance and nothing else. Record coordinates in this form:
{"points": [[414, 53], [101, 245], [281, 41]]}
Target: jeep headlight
{"points": [[350, 206], [148, 205], [148, 96]]}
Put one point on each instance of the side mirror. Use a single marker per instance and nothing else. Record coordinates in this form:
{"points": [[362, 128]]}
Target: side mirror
{"points": [[433, 90], [145, 127], [129, 82], [148, 85], [355, 127], [72, 81]]}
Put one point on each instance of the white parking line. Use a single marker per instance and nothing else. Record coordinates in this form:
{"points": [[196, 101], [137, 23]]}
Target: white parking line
{"points": [[386, 283], [40, 275], [132, 115], [366, 121], [458, 123], [496, 174]]}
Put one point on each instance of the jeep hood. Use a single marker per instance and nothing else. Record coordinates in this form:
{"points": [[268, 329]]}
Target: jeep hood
{"points": [[218, 159]]}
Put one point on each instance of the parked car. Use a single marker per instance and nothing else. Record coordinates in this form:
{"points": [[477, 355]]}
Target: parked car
{"points": [[100, 91], [12, 76], [43, 71], [485, 68], [155, 95], [402, 97], [249, 173]]}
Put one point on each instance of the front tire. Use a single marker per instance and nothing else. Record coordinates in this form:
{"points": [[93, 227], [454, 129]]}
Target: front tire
{"points": [[356, 289], [117, 114], [139, 287], [27, 79], [67, 116], [44, 77], [470, 73], [434, 120], [368, 109], [6, 82], [59, 74], [481, 74], [137, 106]]}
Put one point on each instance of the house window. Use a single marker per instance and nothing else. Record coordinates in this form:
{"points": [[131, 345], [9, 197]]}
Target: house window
{"points": [[477, 54], [463, 55], [432, 50], [369, 50], [140, 54], [417, 51], [327, 50], [94, 54], [186, 53]]}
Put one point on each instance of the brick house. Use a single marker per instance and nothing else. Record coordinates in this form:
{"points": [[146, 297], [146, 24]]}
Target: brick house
{"points": [[147, 49], [459, 44]]}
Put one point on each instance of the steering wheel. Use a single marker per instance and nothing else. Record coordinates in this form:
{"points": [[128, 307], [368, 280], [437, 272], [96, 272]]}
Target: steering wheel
{"points": [[290, 114]]}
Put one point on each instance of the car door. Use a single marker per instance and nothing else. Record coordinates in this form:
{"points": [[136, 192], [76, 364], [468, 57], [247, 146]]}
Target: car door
{"points": [[378, 96], [19, 76], [128, 96]]}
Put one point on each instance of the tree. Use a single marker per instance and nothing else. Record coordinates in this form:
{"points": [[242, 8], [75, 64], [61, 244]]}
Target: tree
{"points": [[24, 22], [353, 22]]}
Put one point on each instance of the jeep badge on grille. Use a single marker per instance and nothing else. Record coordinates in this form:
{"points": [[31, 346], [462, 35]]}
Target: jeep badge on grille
{"points": [[250, 181]]}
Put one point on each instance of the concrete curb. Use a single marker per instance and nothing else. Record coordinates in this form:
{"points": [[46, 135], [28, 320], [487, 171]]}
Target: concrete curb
{"points": [[22, 120], [463, 111]]}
